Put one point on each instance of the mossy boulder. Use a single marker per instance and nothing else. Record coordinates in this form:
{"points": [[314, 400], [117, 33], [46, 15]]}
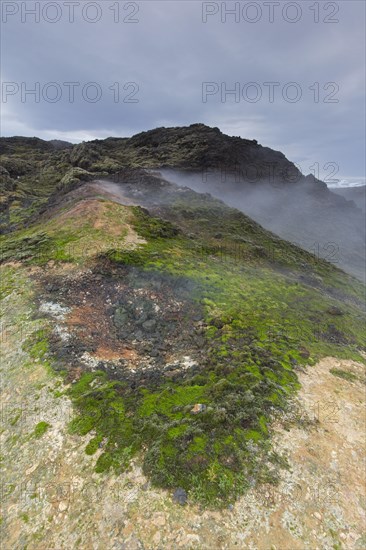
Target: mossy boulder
{"points": [[76, 175], [16, 166], [84, 156], [6, 181]]}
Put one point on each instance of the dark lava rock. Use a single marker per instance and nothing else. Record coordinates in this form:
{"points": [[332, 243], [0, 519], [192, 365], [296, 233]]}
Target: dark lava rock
{"points": [[304, 352], [198, 317], [52, 288], [259, 251], [149, 325], [180, 496], [332, 334], [333, 310], [120, 317]]}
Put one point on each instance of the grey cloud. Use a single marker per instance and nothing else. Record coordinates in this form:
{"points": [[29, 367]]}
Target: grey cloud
{"points": [[170, 52]]}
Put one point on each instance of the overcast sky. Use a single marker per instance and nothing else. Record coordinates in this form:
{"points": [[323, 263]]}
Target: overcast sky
{"points": [[297, 72]]}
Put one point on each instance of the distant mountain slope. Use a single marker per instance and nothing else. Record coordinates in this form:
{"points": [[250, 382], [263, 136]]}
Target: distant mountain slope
{"points": [[355, 194]]}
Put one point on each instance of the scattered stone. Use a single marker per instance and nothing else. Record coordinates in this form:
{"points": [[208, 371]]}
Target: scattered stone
{"points": [[120, 317], [54, 309], [180, 496], [63, 506], [51, 288], [333, 310], [157, 537], [149, 325], [159, 520], [198, 407], [304, 352]]}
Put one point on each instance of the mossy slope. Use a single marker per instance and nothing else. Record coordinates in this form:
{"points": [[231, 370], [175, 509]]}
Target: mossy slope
{"points": [[269, 309]]}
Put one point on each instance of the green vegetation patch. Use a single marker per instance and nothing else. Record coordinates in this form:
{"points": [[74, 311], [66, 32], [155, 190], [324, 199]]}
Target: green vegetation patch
{"points": [[344, 374], [209, 433], [37, 345], [40, 429], [24, 246], [152, 228], [70, 239]]}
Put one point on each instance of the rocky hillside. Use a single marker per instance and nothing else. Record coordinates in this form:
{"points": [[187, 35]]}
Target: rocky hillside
{"points": [[262, 182], [197, 147]]}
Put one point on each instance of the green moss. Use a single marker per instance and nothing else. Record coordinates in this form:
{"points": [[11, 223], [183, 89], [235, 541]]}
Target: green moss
{"points": [[101, 408], [104, 463], [171, 401], [83, 424], [14, 420], [8, 281], [253, 435], [40, 429], [177, 431], [198, 444], [37, 345], [345, 375], [27, 245], [152, 228]]}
